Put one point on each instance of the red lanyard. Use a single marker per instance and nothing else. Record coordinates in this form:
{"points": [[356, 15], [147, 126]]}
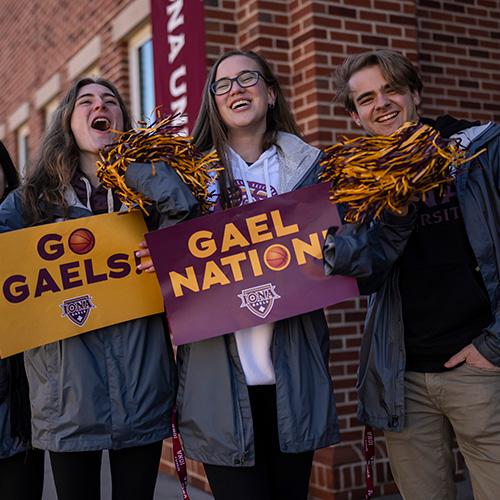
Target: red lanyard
{"points": [[369, 452], [179, 458]]}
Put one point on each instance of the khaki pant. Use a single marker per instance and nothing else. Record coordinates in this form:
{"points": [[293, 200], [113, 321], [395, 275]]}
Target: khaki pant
{"points": [[464, 401]]}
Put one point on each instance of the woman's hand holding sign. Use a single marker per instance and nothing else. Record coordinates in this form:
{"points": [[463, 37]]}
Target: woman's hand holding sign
{"points": [[146, 265]]}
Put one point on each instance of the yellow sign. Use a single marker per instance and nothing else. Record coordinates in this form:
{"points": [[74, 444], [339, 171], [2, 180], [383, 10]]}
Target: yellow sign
{"points": [[67, 278]]}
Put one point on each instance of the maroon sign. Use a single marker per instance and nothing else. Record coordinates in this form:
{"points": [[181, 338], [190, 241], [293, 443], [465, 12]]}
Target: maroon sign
{"points": [[246, 266], [179, 56]]}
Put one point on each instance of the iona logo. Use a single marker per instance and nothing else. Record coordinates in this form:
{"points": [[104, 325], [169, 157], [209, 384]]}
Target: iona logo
{"points": [[77, 309], [259, 300]]}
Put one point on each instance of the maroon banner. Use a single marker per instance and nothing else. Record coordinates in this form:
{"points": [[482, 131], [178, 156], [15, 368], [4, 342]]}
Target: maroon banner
{"points": [[179, 56], [246, 266]]}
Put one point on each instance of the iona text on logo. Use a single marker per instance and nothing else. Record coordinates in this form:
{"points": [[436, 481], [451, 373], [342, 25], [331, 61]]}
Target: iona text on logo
{"points": [[259, 300], [77, 309]]}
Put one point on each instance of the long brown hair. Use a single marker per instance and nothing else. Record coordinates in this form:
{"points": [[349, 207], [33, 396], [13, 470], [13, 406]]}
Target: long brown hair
{"points": [[58, 157], [210, 131]]}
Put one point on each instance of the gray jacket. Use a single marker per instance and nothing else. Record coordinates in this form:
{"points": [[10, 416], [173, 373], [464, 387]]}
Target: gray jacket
{"points": [[113, 387], [9, 446], [370, 253], [215, 420]]}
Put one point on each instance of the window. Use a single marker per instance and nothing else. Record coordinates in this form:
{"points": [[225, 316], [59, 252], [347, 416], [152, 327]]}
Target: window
{"points": [[49, 110], [91, 72], [142, 75], [22, 149]]}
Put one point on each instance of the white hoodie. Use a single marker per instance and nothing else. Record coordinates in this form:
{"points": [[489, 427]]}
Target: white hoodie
{"points": [[256, 182]]}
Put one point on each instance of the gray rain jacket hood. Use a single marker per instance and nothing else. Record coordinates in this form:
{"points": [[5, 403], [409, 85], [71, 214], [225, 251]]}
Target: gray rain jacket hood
{"points": [[370, 253]]}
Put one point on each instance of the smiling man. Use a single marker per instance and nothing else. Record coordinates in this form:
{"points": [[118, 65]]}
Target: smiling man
{"points": [[429, 364]]}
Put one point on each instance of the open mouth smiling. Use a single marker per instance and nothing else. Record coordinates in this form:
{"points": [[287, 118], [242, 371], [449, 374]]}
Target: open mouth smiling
{"points": [[100, 123], [387, 117], [240, 103]]}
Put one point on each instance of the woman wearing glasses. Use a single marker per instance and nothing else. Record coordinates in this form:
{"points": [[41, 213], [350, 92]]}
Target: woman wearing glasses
{"points": [[253, 405]]}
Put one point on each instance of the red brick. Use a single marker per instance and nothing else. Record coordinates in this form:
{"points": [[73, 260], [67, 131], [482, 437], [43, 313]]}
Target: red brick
{"points": [[457, 52]]}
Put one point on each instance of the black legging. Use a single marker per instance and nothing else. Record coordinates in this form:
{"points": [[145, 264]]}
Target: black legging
{"points": [[276, 475], [21, 476], [77, 475]]}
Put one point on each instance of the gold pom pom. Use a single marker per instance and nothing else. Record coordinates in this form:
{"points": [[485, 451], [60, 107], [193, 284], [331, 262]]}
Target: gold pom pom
{"points": [[373, 173], [161, 141]]}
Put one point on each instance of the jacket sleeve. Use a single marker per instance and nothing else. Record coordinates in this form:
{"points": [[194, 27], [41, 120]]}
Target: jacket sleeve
{"points": [[368, 251], [11, 213], [488, 343], [4, 380], [173, 198], [10, 219]]}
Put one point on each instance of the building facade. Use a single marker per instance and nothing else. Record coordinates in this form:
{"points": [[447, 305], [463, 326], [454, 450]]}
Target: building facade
{"points": [[47, 44]]}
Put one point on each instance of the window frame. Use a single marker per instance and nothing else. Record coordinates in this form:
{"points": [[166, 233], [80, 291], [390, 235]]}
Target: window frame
{"points": [[23, 150], [135, 42], [49, 110]]}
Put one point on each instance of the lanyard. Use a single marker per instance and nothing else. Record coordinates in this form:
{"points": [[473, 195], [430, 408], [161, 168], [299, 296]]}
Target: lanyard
{"points": [[369, 453], [179, 458]]}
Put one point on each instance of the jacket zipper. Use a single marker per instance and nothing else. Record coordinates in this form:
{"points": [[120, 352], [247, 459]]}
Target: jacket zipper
{"points": [[243, 451], [242, 435], [394, 419]]}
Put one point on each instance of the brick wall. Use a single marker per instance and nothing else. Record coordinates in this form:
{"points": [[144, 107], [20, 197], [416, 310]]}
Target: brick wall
{"points": [[455, 43], [38, 39], [459, 55]]}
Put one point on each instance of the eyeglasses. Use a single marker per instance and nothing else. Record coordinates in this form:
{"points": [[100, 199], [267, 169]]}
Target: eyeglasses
{"points": [[245, 79]]}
